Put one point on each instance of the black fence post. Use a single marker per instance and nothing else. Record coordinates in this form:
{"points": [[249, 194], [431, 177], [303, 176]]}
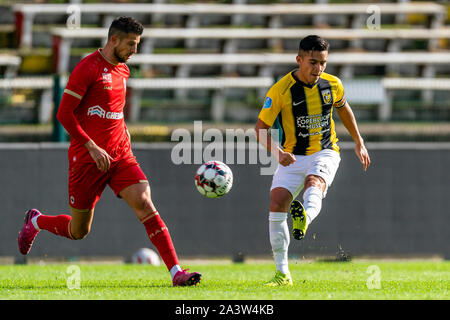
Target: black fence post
{"points": [[58, 133]]}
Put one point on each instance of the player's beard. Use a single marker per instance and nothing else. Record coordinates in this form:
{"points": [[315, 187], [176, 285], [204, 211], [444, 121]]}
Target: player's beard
{"points": [[119, 58]]}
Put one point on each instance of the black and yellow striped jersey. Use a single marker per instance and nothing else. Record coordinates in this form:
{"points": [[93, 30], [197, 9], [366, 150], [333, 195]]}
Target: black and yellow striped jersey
{"points": [[304, 112]]}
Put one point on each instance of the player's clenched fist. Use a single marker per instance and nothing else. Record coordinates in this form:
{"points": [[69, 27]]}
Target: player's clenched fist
{"points": [[285, 158]]}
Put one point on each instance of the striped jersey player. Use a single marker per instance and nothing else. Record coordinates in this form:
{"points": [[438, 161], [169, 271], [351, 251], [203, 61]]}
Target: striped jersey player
{"points": [[304, 112], [301, 106]]}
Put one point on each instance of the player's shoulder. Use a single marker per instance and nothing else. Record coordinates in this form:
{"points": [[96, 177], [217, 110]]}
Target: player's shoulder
{"points": [[125, 68], [333, 80], [284, 84], [90, 63]]}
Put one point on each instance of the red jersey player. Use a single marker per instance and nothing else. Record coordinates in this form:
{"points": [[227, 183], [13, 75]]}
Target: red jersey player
{"points": [[100, 154]]}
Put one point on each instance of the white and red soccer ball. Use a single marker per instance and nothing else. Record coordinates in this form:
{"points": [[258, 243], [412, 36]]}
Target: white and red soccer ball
{"points": [[214, 179], [146, 256]]}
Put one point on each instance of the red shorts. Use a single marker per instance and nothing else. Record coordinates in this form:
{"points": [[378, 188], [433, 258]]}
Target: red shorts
{"points": [[87, 182]]}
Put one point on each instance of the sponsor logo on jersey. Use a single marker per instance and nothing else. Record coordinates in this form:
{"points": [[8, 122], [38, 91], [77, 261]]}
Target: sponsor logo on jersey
{"points": [[267, 103], [297, 103], [97, 110], [312, 122], [107, 78]]}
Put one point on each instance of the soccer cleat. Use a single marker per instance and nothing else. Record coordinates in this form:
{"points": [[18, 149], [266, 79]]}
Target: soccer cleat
{"points": [[299, 223], [28, 232], [183, 278], [280, 279]]}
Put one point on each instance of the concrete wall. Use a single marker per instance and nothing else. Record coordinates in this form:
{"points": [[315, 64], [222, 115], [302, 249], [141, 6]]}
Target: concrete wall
{"points": [[399, 206]]}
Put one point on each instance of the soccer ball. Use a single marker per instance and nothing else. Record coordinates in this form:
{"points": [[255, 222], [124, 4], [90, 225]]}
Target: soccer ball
{"points": [[214, 179], [146, 256]]}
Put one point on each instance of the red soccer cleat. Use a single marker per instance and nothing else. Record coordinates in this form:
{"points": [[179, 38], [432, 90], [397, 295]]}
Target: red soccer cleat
{"points": [[28, 232], [184, 278]]}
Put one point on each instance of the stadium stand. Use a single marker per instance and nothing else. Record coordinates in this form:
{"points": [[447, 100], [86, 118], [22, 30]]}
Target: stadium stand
{"points": [[183, 45]]}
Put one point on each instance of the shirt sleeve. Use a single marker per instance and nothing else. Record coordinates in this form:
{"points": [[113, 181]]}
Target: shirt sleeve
{"points": [[340, 97], [81, 78], [271, 108], [79, 82], [66, 117]]}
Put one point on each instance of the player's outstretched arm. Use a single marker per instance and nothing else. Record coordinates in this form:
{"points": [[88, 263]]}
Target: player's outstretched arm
{"points": [[348, 119], [263, 136]]}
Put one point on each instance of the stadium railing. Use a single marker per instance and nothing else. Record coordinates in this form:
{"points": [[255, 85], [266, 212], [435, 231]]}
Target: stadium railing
{"points": [[370, 58], [357, 12], [63, 37], [44, 84], [267, 61], [12, 64], [357, 91], [373, 95], [136, 86], [391, 84], [218, 85], [25, 13]]}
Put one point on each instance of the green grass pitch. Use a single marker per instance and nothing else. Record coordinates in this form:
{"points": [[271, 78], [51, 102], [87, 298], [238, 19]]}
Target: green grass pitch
{"points": [[353, 280]]}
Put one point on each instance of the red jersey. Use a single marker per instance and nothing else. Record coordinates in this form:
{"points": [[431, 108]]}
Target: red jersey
{"points": [[100, 88]]}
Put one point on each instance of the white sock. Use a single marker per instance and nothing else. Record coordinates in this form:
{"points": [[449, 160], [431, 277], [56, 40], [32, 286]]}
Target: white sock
{"points": [[279, 239], [174, 270], [312, 201]]}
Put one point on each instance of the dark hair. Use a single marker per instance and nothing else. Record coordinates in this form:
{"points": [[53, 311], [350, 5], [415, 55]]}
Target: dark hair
{"points": [[313, 43], [125, 25]]}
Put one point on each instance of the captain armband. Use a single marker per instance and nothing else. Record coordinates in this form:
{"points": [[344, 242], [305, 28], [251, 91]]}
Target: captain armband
{"points": [[340, 103]]}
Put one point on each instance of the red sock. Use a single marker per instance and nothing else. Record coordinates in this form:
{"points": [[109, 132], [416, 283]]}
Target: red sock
{"points": [[58, 225], [160, 237]]}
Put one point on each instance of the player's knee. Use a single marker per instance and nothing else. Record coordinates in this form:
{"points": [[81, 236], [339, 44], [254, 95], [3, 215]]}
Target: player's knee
{"points": [[280, 199], [144, 204], [276, 206], [80, 233], [314, 181], [279, 203]]}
